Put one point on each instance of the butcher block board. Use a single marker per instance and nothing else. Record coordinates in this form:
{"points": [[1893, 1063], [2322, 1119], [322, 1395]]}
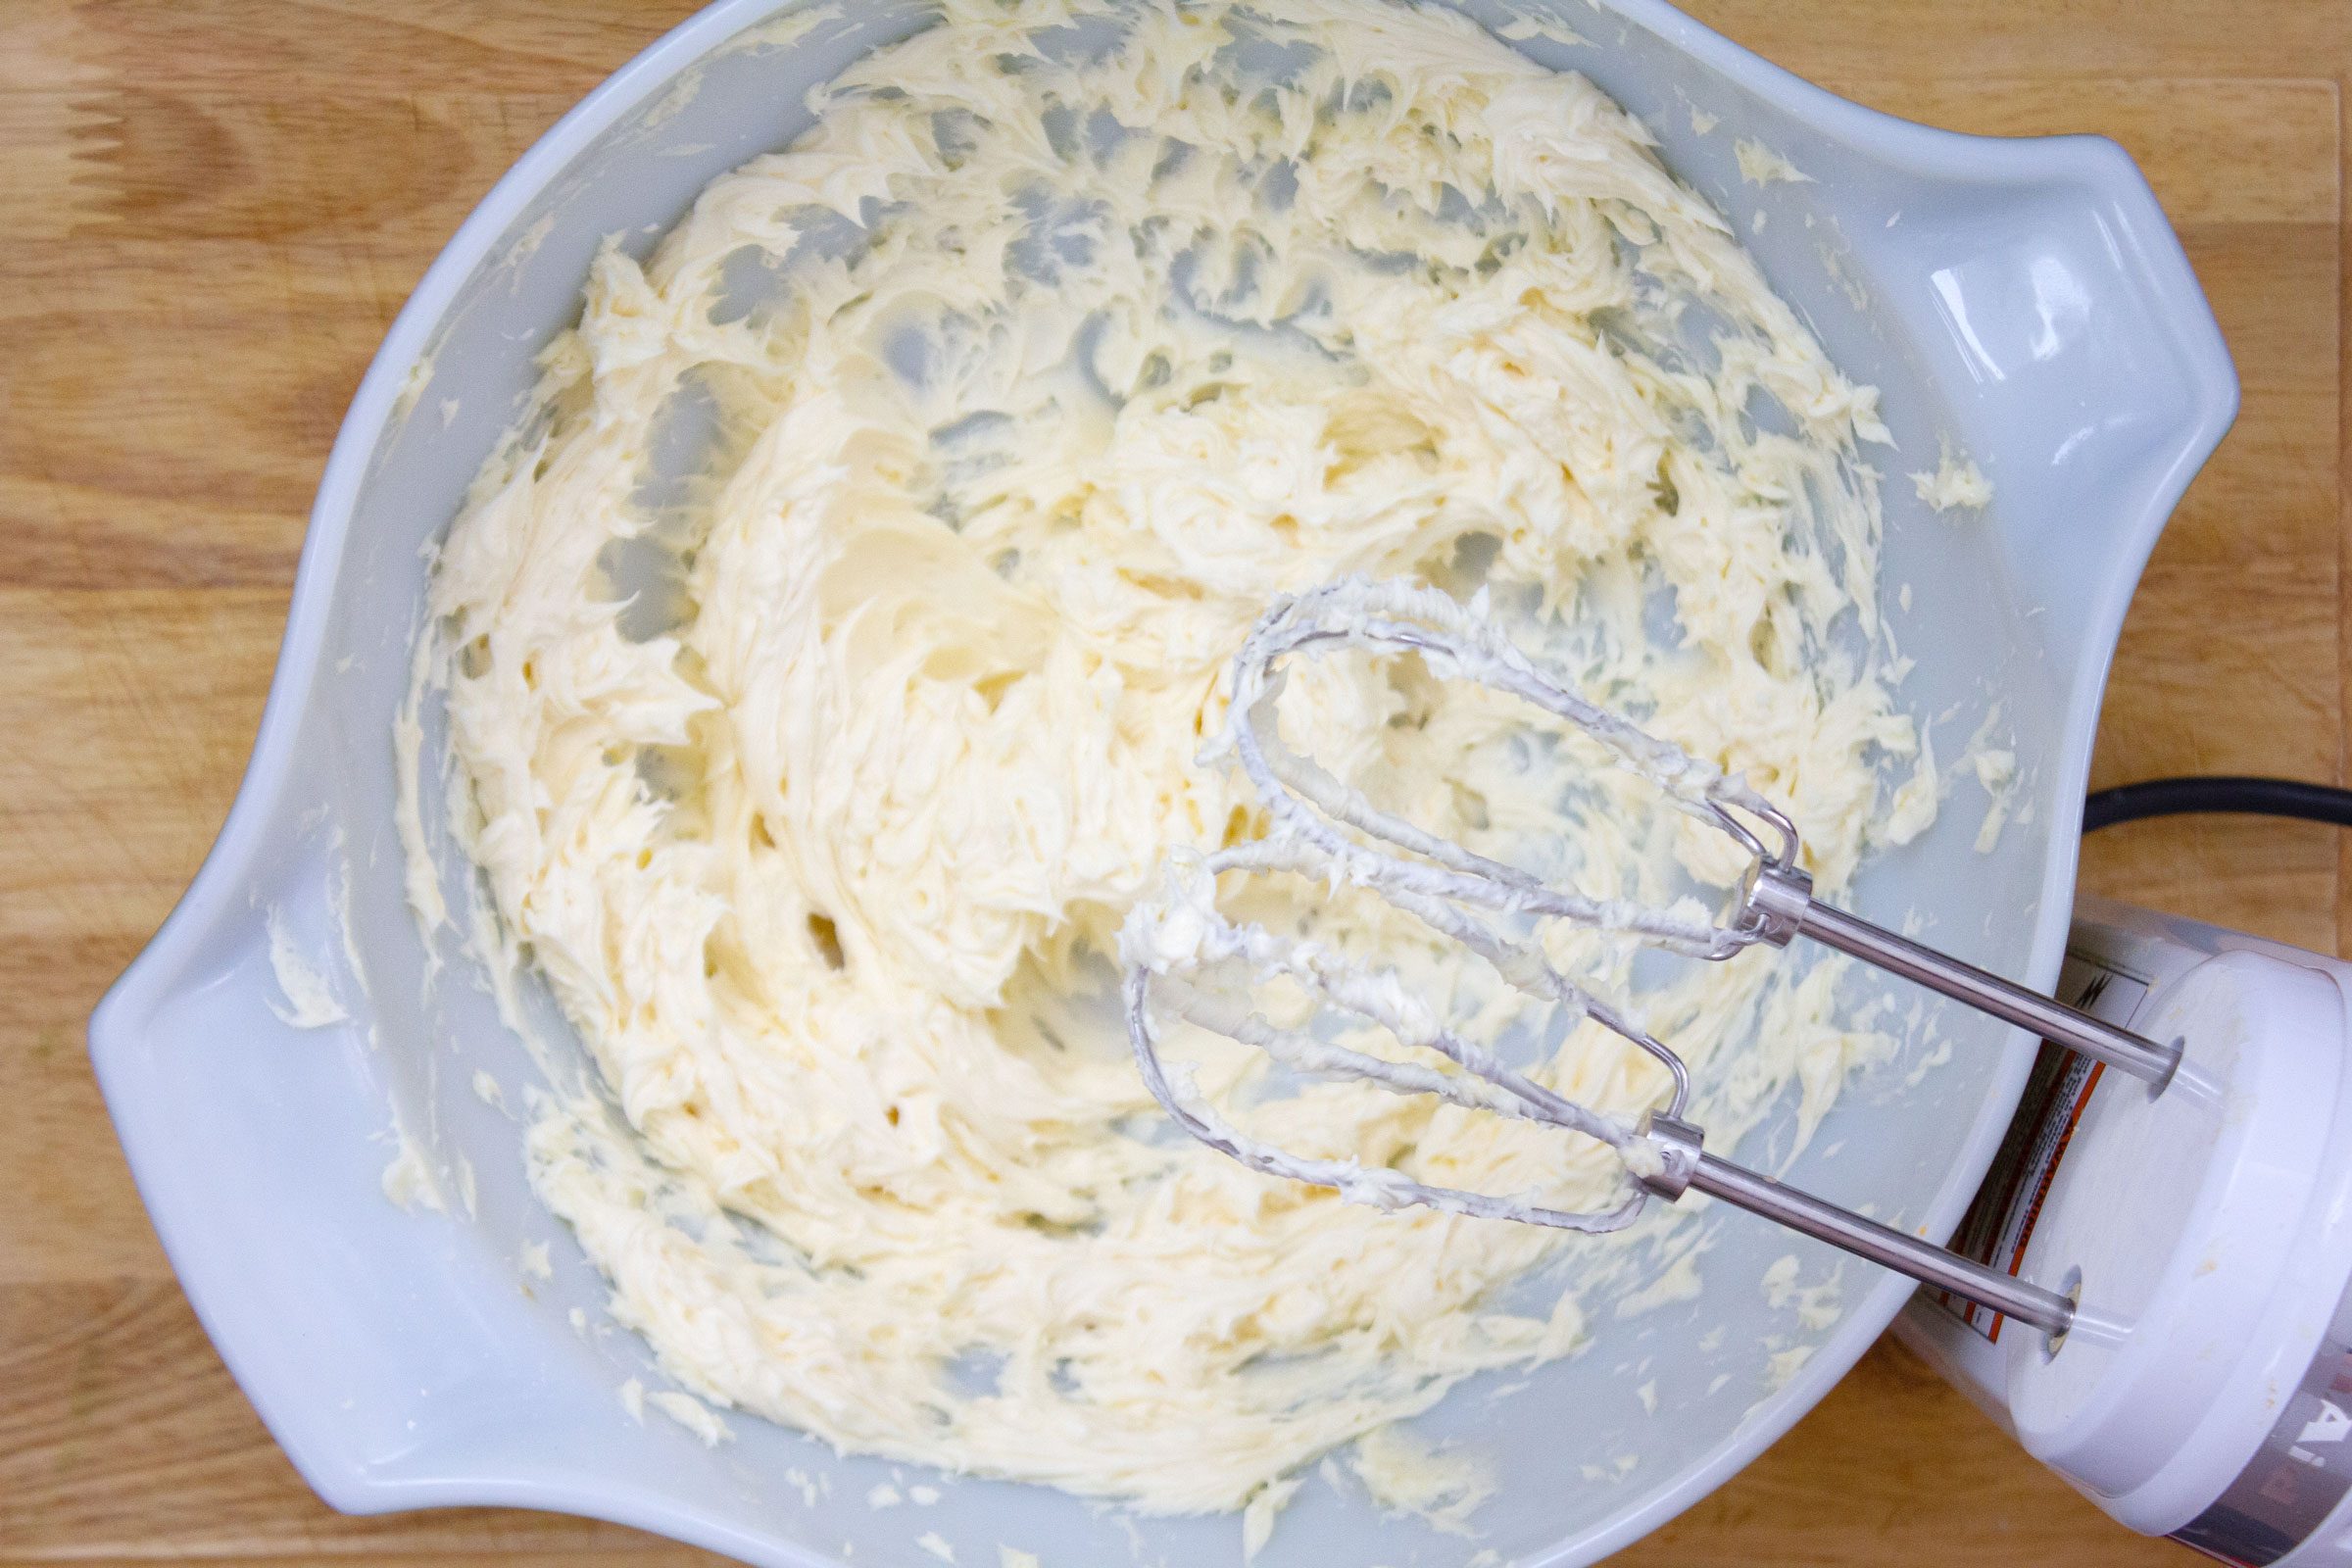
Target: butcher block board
{"points": [[211, 210]]}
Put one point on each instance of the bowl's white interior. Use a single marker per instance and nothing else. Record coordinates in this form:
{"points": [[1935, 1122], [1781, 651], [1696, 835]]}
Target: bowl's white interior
{"points": [[2021, 301]]}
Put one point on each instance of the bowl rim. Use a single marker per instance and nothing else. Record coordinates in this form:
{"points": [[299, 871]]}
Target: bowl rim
{"points": [[122, 1018]]}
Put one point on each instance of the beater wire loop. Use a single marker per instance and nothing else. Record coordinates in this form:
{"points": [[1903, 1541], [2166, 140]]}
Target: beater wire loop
{"points": [[1312, 808], [1170, 942]]}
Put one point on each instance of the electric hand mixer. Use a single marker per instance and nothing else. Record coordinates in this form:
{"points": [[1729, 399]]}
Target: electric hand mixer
{"points": [[2182, 1245]]}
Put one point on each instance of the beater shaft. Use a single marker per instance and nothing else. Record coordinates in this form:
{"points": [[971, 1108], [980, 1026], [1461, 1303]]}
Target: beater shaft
{"points": [[1689, 1167], [1782, 898]]}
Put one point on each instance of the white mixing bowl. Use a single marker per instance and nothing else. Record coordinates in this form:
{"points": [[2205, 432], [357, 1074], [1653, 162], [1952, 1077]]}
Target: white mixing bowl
{"points": [[2024, 299]]}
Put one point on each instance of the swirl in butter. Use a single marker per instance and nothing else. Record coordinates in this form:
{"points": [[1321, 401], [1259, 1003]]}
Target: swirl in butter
{"points": [[827, 656]]}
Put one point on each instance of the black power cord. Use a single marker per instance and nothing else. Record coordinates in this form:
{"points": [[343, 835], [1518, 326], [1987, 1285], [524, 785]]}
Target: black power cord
{"points": [[2244, 796]]}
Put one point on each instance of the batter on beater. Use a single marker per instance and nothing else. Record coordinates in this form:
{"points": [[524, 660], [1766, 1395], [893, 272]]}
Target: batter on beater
{"points": [[827, 653]]}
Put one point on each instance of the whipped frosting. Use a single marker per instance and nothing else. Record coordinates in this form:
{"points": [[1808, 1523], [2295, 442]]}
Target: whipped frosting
{"points": [[1954, 484], [827, 655]]}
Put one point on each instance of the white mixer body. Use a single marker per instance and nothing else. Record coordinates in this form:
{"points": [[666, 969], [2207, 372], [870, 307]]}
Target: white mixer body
{"points": [[2205, 1391]]}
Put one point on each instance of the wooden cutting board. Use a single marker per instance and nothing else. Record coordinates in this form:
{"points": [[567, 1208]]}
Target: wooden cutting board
{"points": [[209, 212]]}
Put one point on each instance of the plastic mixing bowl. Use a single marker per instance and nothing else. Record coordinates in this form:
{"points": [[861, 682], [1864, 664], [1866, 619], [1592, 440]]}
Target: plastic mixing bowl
{"points": [[2023, 299]]}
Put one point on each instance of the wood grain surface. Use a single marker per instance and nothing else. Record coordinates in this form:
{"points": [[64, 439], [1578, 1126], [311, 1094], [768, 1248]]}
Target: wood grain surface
{"points": [[211, 210]]}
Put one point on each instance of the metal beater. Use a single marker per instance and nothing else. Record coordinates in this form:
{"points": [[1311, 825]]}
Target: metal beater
{"points": [[1324, 830]]}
